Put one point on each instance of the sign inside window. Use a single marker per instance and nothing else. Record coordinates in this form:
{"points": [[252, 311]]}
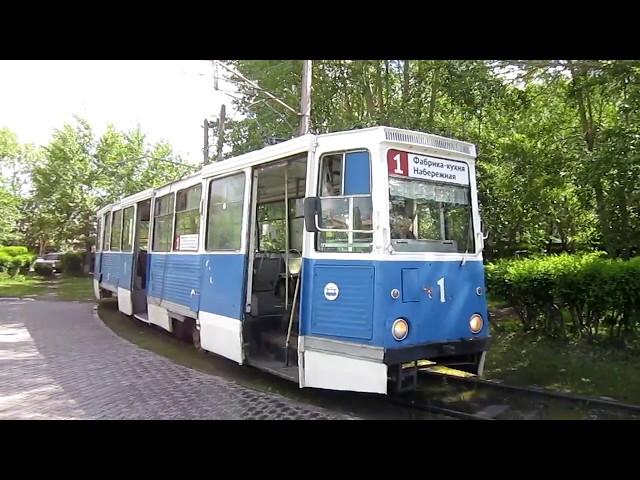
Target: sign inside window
{"points": [[423, 167], [187, 242]]}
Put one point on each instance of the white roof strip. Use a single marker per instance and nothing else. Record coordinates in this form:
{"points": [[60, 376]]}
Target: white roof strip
{"points": [[434, 141]]}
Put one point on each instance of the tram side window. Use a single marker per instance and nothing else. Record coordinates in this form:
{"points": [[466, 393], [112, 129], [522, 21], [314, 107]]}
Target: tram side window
{"points": [[346, 207], [127, 229], [226, 205], [187, 219], [331, 176], [106, 234], [163, 223], [116, 231]]}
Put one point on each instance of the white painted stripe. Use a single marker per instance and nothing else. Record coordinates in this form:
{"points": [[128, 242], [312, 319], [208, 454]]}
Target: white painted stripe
{"points": [[109, 286], [125, 304], [96, 288], [397, 257], [221, 335], [159, 316], [335, 372]]}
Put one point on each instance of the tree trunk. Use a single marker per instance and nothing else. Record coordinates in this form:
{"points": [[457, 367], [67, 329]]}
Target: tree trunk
{"points": [[43, 246], [368, 94], [434, 95], [589, 132], [405, 82]]}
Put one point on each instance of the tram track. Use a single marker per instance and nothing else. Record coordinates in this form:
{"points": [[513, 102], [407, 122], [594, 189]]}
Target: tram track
{"points": [[481, 399], [539, 392], [435, 409]]}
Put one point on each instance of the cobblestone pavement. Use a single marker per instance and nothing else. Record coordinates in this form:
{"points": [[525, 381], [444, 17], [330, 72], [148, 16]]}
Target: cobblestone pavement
{"points": [[58, 361]]}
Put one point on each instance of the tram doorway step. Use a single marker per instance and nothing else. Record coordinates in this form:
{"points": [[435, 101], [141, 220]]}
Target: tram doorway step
{"points": [[274, 367], [272, 343]]}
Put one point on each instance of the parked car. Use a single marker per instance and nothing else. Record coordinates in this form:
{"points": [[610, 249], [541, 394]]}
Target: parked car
{"points": [[53, 259]]}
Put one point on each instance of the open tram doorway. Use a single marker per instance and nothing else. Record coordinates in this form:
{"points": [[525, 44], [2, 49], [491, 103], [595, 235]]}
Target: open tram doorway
{"points": [[274, 267], [140, 260]]}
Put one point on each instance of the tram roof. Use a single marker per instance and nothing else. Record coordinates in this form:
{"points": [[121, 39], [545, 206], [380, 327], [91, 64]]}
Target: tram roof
{"points": [[303, 144]]}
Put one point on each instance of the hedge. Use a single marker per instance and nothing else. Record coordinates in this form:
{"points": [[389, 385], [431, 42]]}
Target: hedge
{"points": [[43, 269], [72, 263], [584, 295]]}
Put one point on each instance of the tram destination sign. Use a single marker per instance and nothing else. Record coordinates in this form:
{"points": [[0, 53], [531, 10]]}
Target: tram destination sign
{"points": [[412, 165]]}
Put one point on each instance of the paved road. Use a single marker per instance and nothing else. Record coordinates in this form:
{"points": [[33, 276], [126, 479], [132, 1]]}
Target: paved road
{"points": [[58, 361]]}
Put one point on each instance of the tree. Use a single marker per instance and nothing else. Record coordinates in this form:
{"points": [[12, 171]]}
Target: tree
{"points": [[80, 173]]}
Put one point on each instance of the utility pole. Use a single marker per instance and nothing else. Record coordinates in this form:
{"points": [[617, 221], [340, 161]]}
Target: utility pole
{"points": [[221, 132], [305, 98], [205, 151]]}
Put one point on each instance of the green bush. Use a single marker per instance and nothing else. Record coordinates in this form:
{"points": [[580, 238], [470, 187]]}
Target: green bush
{"points": [[14, 260], [14, 251], [43, 269], [582, 295], [72, 263], [5, 261]]}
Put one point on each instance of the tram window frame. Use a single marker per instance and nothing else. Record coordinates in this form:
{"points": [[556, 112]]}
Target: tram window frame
{"points": [[106, 234], [180, 194], [129, 231], [99, 235], [117, 247], [349, 246], [156, 223], [211, 214]]}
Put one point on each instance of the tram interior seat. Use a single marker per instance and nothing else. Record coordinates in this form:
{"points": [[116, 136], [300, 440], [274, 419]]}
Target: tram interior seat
{"points": [[269, 272]]}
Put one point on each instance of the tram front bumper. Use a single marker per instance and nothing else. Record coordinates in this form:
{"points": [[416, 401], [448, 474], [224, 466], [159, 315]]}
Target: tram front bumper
{"points": [[394, 356]]}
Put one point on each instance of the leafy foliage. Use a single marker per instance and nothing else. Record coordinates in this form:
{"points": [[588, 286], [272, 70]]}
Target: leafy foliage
{"points": [[15, 260], [78, 173], [558, 161]]}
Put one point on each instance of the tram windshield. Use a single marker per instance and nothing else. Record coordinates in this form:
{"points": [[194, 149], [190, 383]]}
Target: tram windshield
{"points": [[426, 216]]}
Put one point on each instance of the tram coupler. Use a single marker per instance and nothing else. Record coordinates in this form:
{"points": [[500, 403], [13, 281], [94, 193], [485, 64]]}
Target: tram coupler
{"points": [[406, 377]]}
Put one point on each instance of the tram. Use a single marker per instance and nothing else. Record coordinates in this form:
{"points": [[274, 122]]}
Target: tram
{"points": [[337, 261]]}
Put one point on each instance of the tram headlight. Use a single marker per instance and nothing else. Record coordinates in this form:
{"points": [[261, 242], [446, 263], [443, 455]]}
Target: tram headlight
{"points": [[476, 323], [400, 329]]}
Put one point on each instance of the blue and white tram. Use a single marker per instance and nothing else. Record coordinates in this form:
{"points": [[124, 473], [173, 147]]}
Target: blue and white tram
{"points": [[334, 260]]}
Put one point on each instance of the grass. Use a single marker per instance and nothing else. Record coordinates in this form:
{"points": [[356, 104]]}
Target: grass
{"points": [[528, 358], [56, 288], [76, 288]]}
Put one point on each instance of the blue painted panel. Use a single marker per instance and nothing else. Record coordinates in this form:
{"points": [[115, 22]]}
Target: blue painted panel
{"points": [[223, 284], [173, 276], [110, 268], [430, 320], [350, 314], [357, 174], [115, 268], [126, 266], [410, 285]]}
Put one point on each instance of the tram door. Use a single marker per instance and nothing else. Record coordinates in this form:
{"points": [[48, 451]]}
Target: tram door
{"points": [[140, 258]]}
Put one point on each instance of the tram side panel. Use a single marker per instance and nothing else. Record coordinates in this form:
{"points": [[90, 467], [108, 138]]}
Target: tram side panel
{"points": [[110, 271], [96, 274], [174, 286], [125, 271], [222, 299]]}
